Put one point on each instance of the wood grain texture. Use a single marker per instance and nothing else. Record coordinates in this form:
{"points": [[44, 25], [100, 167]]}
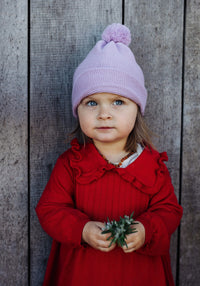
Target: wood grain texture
{"points": [[157, 28], [62, 33], [13, 144], [190, 227]]}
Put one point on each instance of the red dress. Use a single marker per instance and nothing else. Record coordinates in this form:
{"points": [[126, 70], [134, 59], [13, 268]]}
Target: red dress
{"points": [[84, 187]]}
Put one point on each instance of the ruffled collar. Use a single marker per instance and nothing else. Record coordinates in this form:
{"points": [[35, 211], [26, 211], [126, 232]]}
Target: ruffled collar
{"points": [[89, 166]]}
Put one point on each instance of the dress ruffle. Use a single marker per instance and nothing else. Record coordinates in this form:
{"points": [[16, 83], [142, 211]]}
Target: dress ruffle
{"points": [[90, 166]]}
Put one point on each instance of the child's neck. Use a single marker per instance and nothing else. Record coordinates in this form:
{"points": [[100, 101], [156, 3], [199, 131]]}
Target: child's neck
{"points": [[112, 152]]}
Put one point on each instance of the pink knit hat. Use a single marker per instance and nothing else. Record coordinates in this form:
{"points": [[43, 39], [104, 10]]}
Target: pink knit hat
{"points": [[110, 67]]}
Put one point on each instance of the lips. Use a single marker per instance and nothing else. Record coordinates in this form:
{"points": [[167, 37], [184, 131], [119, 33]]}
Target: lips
{"points": [[104, 128]]}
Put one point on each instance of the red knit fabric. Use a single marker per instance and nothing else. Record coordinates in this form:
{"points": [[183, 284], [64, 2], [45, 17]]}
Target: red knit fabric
{"points": [[84, 187]]}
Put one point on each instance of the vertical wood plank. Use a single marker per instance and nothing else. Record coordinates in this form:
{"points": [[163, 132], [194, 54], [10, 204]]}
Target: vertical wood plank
{"points": [[62, 33], [190, 227], [157, 28], [13, 144]]}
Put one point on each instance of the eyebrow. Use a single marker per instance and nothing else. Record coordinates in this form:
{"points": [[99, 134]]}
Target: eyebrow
{"points": [[114, 97]]}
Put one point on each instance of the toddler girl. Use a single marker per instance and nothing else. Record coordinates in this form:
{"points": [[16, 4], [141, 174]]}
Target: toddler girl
{"points": [[114, 172]]}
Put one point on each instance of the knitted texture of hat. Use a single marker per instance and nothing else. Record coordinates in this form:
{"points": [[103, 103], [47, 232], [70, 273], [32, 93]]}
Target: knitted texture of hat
{"points": [[110, 67]]}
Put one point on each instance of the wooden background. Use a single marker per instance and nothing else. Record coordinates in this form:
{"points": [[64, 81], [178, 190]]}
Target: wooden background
{"points": [[41, 43]]}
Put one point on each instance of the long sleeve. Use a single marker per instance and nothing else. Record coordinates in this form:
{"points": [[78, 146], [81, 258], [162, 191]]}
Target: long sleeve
{"points": [[83, 187], [56, 209], [161, 219]]}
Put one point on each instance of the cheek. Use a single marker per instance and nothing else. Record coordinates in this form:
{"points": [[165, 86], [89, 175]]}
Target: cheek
{"points": [[133, 122], [85, 122], [84, 127], [130, 122], [130, 126]]}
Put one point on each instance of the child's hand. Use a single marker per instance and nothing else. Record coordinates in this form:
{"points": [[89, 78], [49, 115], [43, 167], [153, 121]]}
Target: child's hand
{"points": [[92, 235], [135, 240]]}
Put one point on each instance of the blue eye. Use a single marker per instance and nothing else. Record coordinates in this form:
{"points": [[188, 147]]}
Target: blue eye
{"points": [[118, 102], [91, 103]]}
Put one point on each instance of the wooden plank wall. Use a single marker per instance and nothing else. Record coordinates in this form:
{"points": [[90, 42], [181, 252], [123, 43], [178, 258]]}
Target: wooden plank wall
{"points": [[190, 183], [37, 66], [13, 143], [160, 56]]}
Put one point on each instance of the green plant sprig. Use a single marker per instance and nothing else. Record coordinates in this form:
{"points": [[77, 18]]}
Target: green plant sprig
{"points": [[119, 229]]}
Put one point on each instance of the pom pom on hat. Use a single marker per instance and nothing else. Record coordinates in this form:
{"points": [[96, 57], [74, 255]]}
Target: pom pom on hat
{"points": [[110, 67], [117, 33]]}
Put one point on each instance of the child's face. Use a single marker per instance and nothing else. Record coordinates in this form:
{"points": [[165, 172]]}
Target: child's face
{"points": [[107, 117]]}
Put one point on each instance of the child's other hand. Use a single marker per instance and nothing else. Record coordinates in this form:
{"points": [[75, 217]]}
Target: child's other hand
{"points": [[135, 240], [92, 234]]}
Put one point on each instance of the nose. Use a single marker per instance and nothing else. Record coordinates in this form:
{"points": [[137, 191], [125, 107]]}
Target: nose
{"points": [[104, 112]]}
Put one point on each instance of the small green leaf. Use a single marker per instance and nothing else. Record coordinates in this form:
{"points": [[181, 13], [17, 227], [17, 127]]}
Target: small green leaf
{"points": [[119, 229], [105, 231], [125, 243]]}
